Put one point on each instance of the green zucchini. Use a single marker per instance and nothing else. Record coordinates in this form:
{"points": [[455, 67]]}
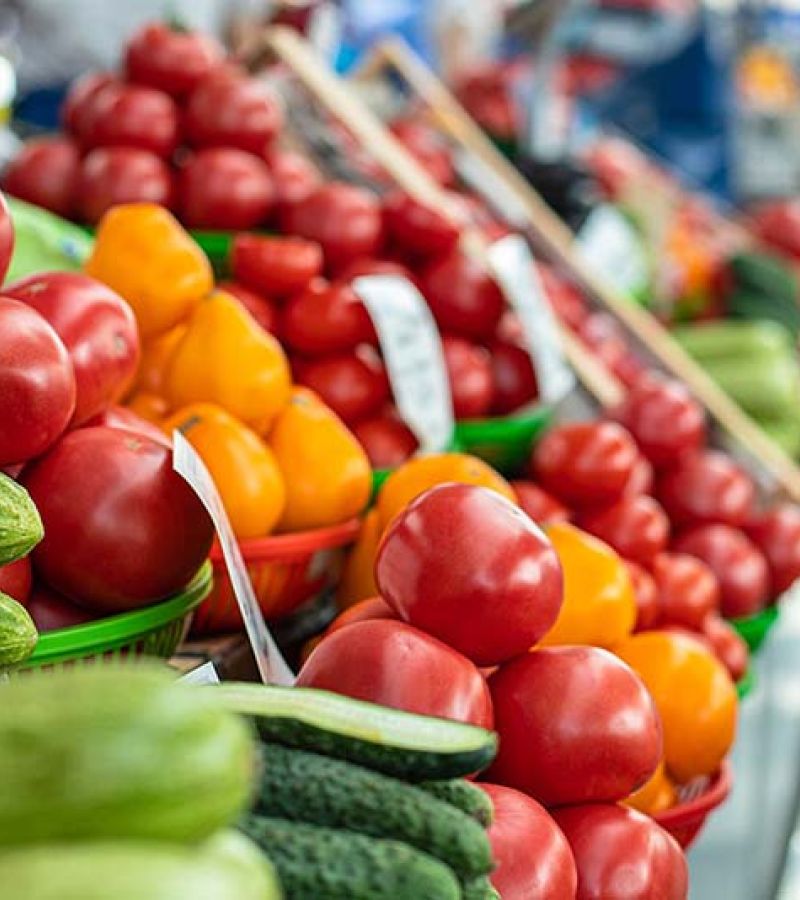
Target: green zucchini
{"points": [[479, 889], [769, 389], [740, 341], [315, 863], [20, 525], [416, 748], [308, 787], [464, 796], [118, 751], [18, 634], [227, 867]]}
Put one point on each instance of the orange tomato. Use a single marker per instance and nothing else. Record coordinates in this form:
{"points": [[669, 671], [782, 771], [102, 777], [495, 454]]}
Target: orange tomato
{"points": [[599, 605], [326, 471], [655, 795], [149, 406], [694, 695], [363, 611], [242, 465], [417, 475], [156, 354], [358, 575]]}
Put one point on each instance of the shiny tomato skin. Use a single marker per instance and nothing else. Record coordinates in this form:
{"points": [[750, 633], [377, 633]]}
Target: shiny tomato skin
{"points": [[387, 440], [538, 504], [469, 371], [391, 663], [416, 228], [363, 611], [462, 296], [368, 266], [471, 568], [16, 579], [98, 329], [52, 611], [728, 645], [224, 188], [354, 385], [37, 383], [241, 113], [776, 533], [428, 147], [293, 175], [532, 856], [585, 464], [580, 704], [275, 266], [343, 219], [688, 589], [113, 175], [127, 420], [664, 418], [326, 318], [260, 308], [6, 238], [636, 527], [641, 480], [513, 377], [622, 854], [122, 529], [45, 173], [648, 601], [567, 300], [80, 98], [171, 59], [739, 565]]}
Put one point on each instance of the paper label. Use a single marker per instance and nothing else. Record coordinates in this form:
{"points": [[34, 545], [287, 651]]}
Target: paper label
{"points": [[516, 273], [271, 665], [412, 350], [205, 674], [609, 244]]}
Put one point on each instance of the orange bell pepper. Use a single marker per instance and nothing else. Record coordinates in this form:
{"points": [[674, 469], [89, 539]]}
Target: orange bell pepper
{"points": [[225, 357], [156, 354], [326, 471], [358, 575], [242, 465], [655, 795], [144, 254], [149, 406]]}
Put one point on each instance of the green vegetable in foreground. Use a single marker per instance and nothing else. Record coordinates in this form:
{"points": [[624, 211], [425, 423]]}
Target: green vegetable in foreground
{"points": [[18, 634], [20, 525]]}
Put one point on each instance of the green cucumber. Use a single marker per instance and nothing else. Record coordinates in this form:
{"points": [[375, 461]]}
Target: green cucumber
{"points": [[315, 863], [740, 341], [308, 787], [20, 525], [227, 867], [479, 889], [416, 748], [118, 751], [763, 273], [769, 389], [18, 634], [464, 796], [764, 307]]}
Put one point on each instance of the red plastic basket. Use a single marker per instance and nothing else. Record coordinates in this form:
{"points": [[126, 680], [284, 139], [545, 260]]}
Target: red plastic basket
{"points": [[686, 820], [287, 570]]}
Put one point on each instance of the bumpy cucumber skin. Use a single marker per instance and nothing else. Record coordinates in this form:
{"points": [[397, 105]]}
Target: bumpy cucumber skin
{"points": [[307, 787], [21, 527], [18, 635], [107, 751], [315, 863], [479, 889], [464, 796]]}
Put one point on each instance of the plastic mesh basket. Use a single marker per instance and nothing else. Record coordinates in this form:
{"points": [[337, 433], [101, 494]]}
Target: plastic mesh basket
{"points": [[698, 800]]}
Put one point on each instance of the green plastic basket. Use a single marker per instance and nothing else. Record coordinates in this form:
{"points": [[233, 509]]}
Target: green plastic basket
{"points": [[754, 629], [153, 631], [746, 683], [504, 443]]}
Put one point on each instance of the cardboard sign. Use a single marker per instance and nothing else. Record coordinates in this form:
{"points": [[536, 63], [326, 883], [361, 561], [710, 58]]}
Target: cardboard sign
{"points": [[413, 354], [271, 665]]}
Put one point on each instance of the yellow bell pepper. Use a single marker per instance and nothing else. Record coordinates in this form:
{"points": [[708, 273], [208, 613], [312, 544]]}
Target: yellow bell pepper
{"points": [[225, 357], [143, 253], [358, 574]]}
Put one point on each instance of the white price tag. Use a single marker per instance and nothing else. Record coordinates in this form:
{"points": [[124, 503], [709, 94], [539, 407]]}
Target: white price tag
{"points": [[412, 350], [610, 245], [271, 665], [515, 271], [205, 674]]}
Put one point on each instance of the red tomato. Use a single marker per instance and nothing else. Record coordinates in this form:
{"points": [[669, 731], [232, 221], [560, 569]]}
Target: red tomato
{"points": [[387, 440], [468, 566], [127, 420], [396, 665], [509, 328], [122, 528], [777, 223], [345, 220], [51, 611], [416, 228], [601, 332], [223, 188], [363, 611], [98, 329], [688, 590], [127, 115], [80, 99], [6, 238], [293, 175], [776, 533], [354, 385], [567, 300], [469, 371], [275, 266], [728, 645], [636, 527], [44, 173], [664, 418], [513, 377], [37, 383], [171, 59], [706, 488], [16, 580], [641, 478], [241, 113], [538, 504], [326, 318], [577, 704], [428, 147], [367, 266], [259, 307], [462, 296], [623, 854], [532, 856], [586, 463], [113, 175], [648, 602], [739, 565]]}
